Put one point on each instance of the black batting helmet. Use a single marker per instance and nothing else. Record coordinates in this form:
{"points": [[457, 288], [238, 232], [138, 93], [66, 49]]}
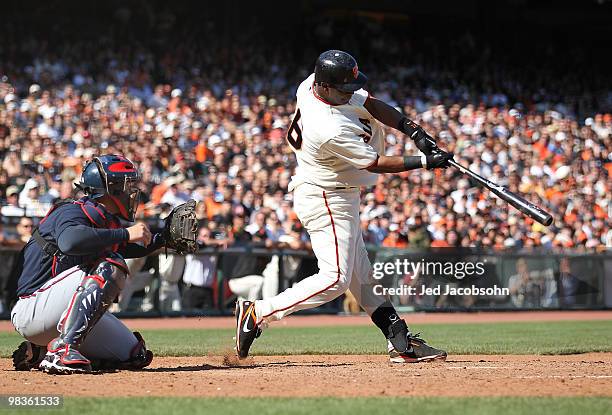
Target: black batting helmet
{"points": [[339, 70], [115, 176]]}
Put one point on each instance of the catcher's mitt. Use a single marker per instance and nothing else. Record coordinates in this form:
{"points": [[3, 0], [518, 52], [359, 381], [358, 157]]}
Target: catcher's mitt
{"points": [[181, 228]]}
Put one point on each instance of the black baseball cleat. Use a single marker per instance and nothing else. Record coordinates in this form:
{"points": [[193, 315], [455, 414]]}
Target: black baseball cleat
{"points": [[246, 327], [28, 356], [63, 359], [419, 351]]}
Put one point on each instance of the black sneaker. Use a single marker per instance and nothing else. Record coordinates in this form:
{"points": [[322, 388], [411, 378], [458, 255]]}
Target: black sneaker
{"points": [[246, 327], [28, 356], [419, 352]]}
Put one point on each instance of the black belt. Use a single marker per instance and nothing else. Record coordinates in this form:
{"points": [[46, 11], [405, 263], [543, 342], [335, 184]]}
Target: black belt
{"points": [[346, 187]]}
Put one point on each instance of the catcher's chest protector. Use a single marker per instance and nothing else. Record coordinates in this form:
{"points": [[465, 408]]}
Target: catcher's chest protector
{"points": [[94, 212]]}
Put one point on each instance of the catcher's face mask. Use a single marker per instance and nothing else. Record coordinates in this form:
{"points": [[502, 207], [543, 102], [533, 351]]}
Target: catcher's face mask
{"points": [[126, 196], [120, 179]]}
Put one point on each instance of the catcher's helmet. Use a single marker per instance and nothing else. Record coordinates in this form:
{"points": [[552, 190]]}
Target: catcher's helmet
{"points": [[339, 70], [115, 176]]}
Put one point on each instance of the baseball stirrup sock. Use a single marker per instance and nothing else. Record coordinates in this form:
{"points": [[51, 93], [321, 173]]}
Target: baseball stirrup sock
{"points": [[392, 326], [384, 316]]}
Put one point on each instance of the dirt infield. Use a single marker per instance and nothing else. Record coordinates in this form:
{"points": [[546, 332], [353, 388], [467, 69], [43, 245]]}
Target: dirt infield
{"points": [[337, 376]]}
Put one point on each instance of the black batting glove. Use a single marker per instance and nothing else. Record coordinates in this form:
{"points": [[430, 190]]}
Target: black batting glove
{"points": [[424, 142], [439, 160]]}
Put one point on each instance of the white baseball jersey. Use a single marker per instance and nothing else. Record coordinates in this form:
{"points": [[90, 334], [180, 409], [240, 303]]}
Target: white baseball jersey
{"points": [[334, 144]]}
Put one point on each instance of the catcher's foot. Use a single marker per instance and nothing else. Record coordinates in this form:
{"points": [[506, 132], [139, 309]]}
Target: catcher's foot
{"points": [[246, 327], [28, 356], [419, 352], [62, 359]]}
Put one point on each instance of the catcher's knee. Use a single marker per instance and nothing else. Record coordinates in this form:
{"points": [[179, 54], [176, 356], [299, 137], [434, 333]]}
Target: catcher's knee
{"points": [[139, 358], [112, 268]]}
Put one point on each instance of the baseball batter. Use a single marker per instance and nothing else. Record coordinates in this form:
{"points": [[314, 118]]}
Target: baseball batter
{"points": [[72, 269], [339, 145]]}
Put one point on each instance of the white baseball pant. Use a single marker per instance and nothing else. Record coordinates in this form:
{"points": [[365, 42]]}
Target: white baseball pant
{"points": [[37, 315], [331, 218]]}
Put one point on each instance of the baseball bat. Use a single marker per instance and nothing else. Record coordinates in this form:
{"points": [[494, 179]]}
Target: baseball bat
{"points": [[534, 212]]}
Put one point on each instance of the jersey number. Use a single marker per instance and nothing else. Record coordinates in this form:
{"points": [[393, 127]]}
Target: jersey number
{"points": [[367, 128], [294, 134]]}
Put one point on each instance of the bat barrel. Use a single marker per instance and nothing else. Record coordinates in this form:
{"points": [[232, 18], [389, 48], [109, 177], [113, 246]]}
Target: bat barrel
{"points": [[523, 205]]}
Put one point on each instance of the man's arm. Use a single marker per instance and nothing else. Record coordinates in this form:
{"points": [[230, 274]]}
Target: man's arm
{"points": [[85, 240], [391, 117], [433, 158], [383, 112], [396, 164], [132, 250]]}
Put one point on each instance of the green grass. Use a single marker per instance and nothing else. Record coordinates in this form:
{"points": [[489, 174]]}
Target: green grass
{"points": [[352, 406], [495, 338], [563, 337]]}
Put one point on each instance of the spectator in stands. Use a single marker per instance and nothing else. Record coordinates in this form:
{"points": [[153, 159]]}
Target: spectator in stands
{"points": [[218, 135], [54, 191], [171, 269], [7, 240], [175, 195], [394, 239], [29, 199], [25, 227], [418, 236], [200, 273], [12, 208], [140, 278], [247, 279], [526, 290], [568, 284]]}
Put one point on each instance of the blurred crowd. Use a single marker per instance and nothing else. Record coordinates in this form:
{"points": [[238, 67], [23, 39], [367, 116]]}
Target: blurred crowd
{"points": [[207, 121]]}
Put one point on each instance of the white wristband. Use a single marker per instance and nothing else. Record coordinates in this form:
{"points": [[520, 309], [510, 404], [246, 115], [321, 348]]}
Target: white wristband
{"points": [[424, 161]]}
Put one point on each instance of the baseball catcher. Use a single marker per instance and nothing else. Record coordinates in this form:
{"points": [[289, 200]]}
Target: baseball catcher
{"points": [[339, 146], [73, 269]]}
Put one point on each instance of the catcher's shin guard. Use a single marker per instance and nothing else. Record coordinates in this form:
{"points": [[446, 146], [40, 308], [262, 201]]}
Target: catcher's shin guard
{"points": [[92, 298]]}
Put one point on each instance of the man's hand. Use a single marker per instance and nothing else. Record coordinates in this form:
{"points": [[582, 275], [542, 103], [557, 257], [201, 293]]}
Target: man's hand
{"points": [[140, 233], [424, 142], [439, 159]]}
